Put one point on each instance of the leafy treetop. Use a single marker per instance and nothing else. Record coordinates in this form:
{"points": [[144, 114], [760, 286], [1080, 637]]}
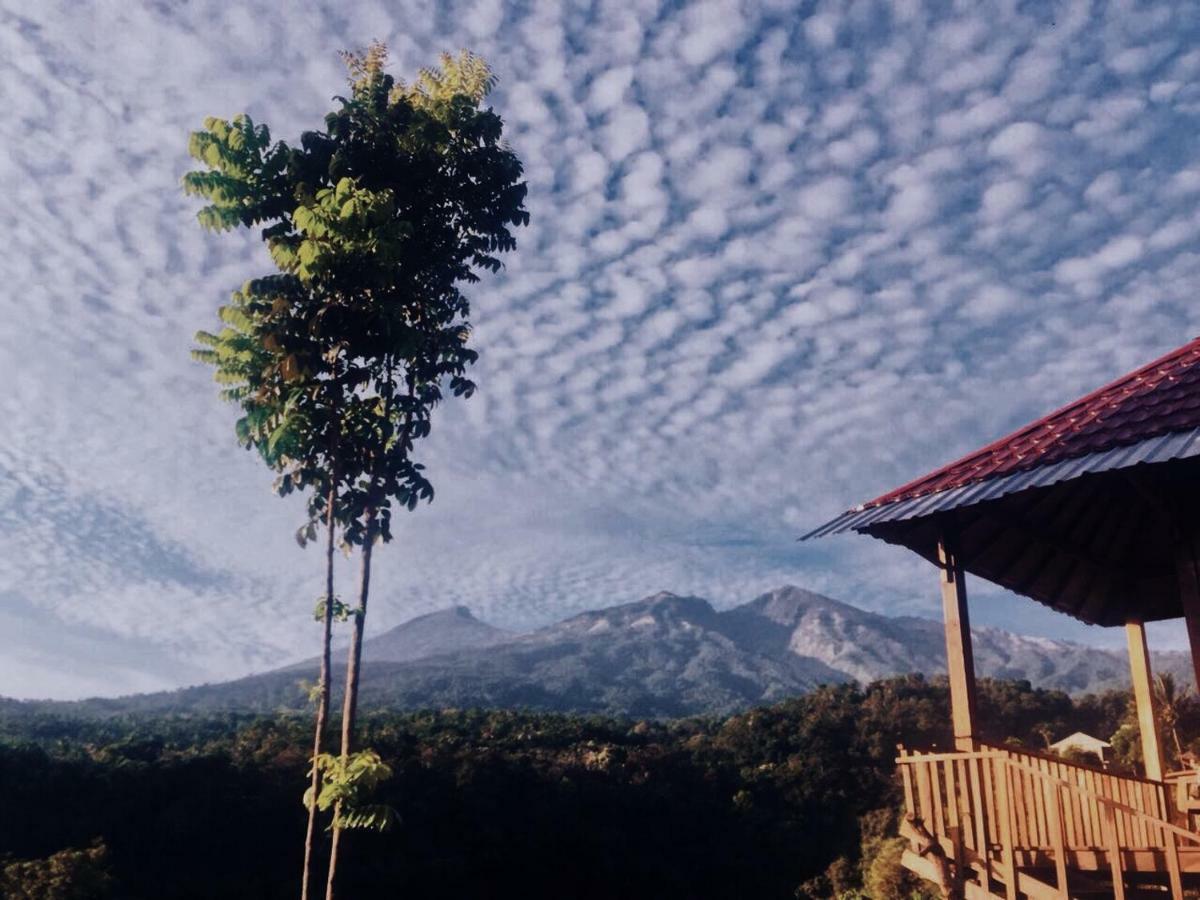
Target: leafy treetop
{"points": [[338, 359]]}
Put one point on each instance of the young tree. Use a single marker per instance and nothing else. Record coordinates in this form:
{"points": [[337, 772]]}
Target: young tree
{"points": [[339, 360], [286, 374], [425, 195]]}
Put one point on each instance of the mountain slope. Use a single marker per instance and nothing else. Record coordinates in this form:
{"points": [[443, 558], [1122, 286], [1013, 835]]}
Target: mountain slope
{"points": [[866, 646], [451, 630], [664, 655]]}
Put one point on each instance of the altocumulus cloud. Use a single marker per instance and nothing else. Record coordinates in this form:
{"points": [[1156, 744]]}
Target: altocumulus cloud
{"points": [[782, 256]]}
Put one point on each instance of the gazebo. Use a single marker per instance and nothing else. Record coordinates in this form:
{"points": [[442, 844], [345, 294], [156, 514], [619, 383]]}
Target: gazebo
{"points": [[1093, 511]]}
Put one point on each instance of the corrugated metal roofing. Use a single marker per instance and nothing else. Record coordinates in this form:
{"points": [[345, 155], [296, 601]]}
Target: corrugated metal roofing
{"points": [[1150, 415], [1091, 510], [1153, 450], [1158, 399]]}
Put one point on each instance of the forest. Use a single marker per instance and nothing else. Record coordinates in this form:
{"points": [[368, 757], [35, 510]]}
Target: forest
{"points": [[794, 800]]}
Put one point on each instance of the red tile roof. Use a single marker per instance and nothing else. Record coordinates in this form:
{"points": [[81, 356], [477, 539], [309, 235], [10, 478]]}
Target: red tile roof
{"points": [[1160, 398]]}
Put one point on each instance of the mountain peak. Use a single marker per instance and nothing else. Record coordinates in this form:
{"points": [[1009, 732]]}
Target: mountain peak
{"points": [[450, 612], [450, 630], [660, 597], [666, 602], [787, 604]]}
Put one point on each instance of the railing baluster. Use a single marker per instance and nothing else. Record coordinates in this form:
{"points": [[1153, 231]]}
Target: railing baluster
{"points": [[1124, 834], [1133, 795], [1056, 840], [1088, 799], [1007, 863], [951, 794], [906, 776], [924, 795], [1136, 825], [965, 816], [938, 825], [1074, 826], [1137, 799], [1174, 874], [1016, 783], [1109, 828], [1039, 795], [982, 829], [1072, 814], [989, 799]]}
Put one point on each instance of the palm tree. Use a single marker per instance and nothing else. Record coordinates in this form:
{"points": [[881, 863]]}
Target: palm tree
{"points": [[1170, 695]]}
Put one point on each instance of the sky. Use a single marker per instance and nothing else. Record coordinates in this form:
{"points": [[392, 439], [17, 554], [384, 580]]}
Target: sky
{"points": [[782, 258]]}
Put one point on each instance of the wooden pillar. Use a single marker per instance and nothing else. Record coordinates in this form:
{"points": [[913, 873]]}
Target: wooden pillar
{"points": [[1187, 564], [960, 662], [1143, 695]]}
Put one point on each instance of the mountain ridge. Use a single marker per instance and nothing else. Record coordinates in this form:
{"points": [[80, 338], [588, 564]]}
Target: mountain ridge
{"points": [[664, 655]]}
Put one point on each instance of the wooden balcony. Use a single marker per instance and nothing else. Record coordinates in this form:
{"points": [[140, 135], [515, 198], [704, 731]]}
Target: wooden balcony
{"points": [[1093, 510], [997, 822]]}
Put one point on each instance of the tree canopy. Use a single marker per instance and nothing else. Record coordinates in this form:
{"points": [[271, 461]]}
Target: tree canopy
{"points": [[373, 223]]}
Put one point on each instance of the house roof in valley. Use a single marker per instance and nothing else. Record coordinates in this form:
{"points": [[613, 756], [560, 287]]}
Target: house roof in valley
{"points": [[1080, 741]]}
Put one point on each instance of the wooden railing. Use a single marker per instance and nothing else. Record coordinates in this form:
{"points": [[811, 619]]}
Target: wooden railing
{"points": [[1184, 787], [994, 810], [1083, 816]]}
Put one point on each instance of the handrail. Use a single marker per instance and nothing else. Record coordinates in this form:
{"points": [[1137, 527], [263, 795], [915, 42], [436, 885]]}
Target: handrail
{"points": [[918, 757], [1050, 757], [1105, 801], [976, 807], [1170, 833]]}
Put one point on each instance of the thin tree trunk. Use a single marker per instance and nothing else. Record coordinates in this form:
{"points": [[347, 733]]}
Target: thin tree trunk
{"points": [[323, 700], [350, 701]]}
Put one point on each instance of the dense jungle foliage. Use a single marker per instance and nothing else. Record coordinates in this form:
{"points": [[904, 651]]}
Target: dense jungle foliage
{"points": [[792, 800]]}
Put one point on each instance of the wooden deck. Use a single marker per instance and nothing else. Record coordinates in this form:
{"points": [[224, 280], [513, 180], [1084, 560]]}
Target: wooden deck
{"points": [[997, 822]]}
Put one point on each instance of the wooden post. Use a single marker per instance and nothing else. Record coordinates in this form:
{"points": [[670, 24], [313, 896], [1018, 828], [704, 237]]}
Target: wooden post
{"points": [[1187, 561], [1143, 695], [960, 663]]}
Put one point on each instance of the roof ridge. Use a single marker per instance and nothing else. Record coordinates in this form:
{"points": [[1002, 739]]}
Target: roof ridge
{"points": [[1130, 384]]}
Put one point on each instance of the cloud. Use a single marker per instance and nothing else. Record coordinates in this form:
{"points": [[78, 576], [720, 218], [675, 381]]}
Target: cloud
{"points": [[627, 129], [775, 267], [826, 199], [1017, 141], [711, 27], [608, 89], [1002, 199]]}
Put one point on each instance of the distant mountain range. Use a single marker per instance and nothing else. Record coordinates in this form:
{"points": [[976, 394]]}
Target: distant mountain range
{"points": [[665, 655]]}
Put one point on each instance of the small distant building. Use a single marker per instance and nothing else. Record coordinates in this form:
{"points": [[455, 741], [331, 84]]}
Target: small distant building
{"points": [[1082, 743]]}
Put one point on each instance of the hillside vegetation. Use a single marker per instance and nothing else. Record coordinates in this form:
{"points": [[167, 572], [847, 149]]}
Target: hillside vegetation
{"points": [[779, 801]]}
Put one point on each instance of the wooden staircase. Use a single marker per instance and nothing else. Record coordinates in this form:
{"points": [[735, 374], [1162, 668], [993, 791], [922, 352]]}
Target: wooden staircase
{"points": [[1001, 823]]}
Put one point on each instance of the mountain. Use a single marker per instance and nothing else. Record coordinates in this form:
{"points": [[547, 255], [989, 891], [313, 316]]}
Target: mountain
{"points": [[665, 655], [452, 630], [662, 656], [866, 646]]}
